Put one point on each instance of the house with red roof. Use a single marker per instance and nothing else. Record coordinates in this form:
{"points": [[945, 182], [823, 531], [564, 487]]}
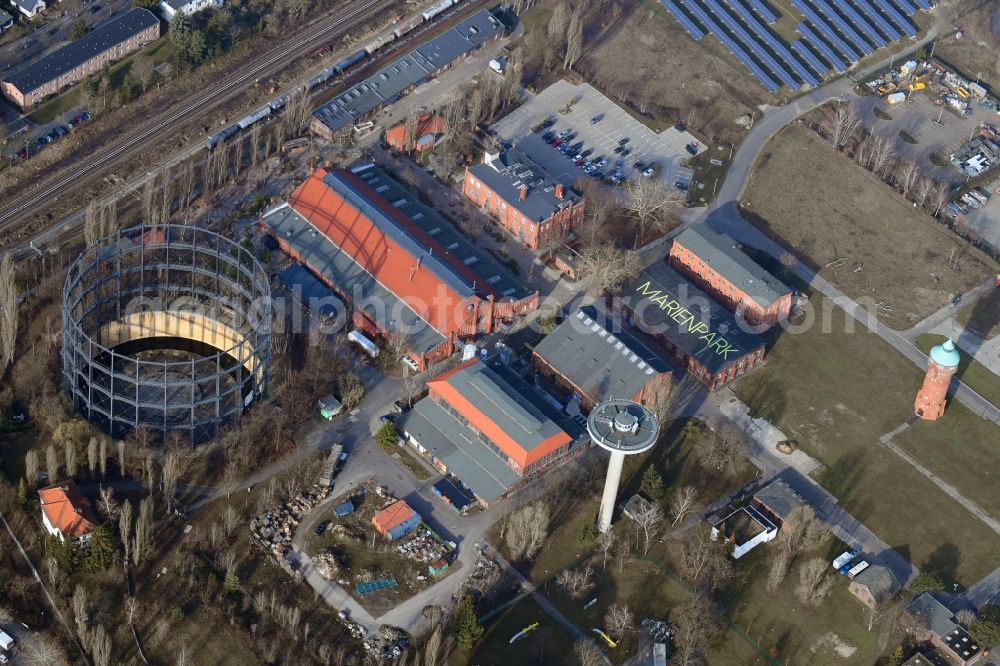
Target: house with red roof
{"points": [[66, 513], [418, 135]]}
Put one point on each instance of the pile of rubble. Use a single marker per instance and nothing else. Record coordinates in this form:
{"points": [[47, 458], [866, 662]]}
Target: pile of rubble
{"points": [[272, 531], [391, 641], [355, 629], [482, 579], [326, 565], [424, 547]]}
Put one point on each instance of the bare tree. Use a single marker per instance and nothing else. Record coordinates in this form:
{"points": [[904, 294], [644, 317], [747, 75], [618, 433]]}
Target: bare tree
{"points": [[607, 267], [684, 502], [587, 653], [574, 41], [71, 466], [52, 463], [939, 197], [704, 561], [883, 156], [623, 553], [559, 21], [150, 211], [846, 121], [102, 458], [40, 651], [652, 204], [121, 458], [182, 656], [131, 606], [648, 518], [101, 646], [125, 528], [873, 614], [814, 581], [9, 299], [906, 175], [91, 224], [81, 605], [171, 470], [143, 70], [723, 448], [619, 620], [694, 626], [780, 563], [527, 529], [107, 504], [606, 541], [31, 467], [230, 521], [801, 531], [922, 189], [92, 456], [143, 529], [576, 582]]}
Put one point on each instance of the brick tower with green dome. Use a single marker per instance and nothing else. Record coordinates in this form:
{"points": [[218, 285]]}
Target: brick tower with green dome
{"points": [[933, 395]]}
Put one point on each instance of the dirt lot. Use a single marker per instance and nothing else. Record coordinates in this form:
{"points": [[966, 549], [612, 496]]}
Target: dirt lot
{"points": [[839, 218], [976, 52], [650, 61]]}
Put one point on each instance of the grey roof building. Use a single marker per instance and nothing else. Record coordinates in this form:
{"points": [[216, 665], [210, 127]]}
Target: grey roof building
{"points": [[666, 304], [483, 422], [779, 498], [326, 259], [932, 614], [508, 172], [29, 7], [396, 78], [726, 258], [593, 353], [77, 53], [879, 582]]}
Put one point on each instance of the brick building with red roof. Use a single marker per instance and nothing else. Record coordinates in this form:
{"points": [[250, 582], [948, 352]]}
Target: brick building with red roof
{"points": [[402, 267]]}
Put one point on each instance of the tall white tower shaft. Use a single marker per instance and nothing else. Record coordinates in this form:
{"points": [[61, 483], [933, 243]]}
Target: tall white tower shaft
{"points": [[611, 490]]}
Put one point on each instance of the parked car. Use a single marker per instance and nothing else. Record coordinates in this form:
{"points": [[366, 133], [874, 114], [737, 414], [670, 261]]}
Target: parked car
{"points": [[588, 152], [626, 152], [623, 141], [548, 122], [596, 119], [386, 418], [321, 527], [83, 117], [619, 163], [400, 406], [639, 165], [548, 136], [648, 172], [579, 162], [692, 148], [571, 136], [681, 185], [619, 149], [603, 162], [564, 132], [556, 143], [60, 131]]}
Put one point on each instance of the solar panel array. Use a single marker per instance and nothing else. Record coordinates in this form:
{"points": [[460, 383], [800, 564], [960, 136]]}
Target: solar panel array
{"points": [[834, 34]]}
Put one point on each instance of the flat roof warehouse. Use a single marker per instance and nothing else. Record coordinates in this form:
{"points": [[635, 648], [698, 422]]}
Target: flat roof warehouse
{"points": [[664, 302], [408, 70]]}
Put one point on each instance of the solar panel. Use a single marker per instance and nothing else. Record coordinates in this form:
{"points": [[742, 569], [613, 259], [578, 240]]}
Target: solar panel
{"points": [[827, 32], [825, 26], [713, 27], [883, 26], [842, 25], [904, 24], [763, 10], [751, 43], [905, 6], [817, 65], [683, 19], [861, 23], [822, 47], [922, 4], [778, 47]]}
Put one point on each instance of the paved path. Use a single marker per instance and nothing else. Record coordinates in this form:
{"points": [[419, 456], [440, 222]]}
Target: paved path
{"points": [[946, 487], [947, 312]]}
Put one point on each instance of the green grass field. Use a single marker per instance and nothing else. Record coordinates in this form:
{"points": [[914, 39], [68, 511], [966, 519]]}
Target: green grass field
{"points": [[971, 372], [836, 393]]}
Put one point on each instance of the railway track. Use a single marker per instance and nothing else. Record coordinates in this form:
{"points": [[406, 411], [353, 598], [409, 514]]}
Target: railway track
{"points": [[196, 105]]}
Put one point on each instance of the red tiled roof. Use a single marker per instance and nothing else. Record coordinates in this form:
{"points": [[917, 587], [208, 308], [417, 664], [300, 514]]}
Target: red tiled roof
{"points": [[392, 515], [426, 124], [394, 266], [67, 510]]}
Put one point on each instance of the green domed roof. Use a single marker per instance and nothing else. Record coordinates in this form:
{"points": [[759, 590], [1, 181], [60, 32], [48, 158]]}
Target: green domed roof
{"points": [[945, 354]]}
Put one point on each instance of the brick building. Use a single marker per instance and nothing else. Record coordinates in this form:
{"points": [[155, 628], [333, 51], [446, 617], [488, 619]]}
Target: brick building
{"points": [[930, 620], [714, 262], [523, 198], [933, 396], [485, 425], [698, 334], [171, 8], [403, 269], [592, 358], [420, 137], [77, 60]]}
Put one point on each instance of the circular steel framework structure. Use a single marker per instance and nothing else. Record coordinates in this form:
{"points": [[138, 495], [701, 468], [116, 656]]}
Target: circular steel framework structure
{"points": [[167, 327]]}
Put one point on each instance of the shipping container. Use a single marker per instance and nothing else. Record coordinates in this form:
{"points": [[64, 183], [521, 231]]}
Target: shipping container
{"points": [[360, 339]]}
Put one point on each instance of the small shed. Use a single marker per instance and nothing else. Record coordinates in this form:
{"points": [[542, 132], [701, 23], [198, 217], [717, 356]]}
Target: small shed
{"points": [[329, 407], [437, 568], [344, 509]]}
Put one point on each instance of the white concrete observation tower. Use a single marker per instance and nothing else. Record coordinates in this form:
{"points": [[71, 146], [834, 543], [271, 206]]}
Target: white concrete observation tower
{"points": [[623, 427]]}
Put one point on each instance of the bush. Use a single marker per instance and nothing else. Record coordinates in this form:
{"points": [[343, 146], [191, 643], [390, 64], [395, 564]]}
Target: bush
{"points": [[386, 437], [176, 614]]}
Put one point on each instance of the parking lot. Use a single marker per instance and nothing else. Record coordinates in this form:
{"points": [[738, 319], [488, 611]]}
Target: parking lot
{"points": [[985, 221], [29, 139], [600, 125]]}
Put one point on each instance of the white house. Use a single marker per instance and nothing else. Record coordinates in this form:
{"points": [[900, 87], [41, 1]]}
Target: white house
{"points": [[29, 8], [173, 7], [745, 528]]}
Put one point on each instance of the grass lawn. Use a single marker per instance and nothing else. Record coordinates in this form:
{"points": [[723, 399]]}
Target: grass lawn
{"points": [[836, 393], [405, 457], [978, 377], [828, 209], [547, 645], [794, 632]]}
